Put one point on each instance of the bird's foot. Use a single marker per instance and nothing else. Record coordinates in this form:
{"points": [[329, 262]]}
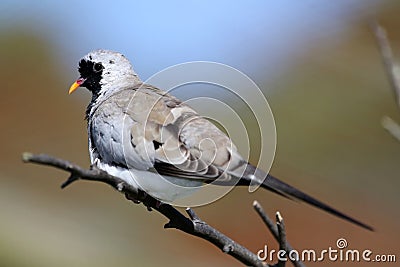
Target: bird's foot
{"points": [[137, 199]]}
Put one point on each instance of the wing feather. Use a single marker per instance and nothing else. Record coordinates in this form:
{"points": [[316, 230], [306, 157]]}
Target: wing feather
{"points": [[168, 136]]}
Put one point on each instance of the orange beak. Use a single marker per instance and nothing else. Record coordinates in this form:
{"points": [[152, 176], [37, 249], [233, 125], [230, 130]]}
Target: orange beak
{"points": [[76, 84]]}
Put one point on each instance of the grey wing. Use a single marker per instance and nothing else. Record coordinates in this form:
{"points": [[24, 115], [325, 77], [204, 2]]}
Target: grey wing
{"points": [[158, 132], [211, 154]]}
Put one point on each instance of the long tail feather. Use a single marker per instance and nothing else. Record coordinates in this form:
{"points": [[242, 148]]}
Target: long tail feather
{"points": [[275, 185]]}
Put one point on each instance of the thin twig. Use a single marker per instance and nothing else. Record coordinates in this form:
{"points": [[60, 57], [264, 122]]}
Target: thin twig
{"points": [[391, 67], [282, 237], [392, 70], [391, 126], [192, 225], [278, 234]]}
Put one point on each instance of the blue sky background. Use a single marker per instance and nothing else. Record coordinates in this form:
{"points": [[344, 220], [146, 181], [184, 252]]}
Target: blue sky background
{"points": [[259, 38]]}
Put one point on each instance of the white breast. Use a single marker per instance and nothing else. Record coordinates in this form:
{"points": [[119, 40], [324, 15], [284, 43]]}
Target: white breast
{"points": [[165, 188]]}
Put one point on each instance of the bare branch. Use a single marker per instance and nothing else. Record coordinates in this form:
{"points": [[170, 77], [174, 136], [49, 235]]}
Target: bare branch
{"points": [[278, 231], [282, 236], [391, 126], [391, 67], [393, 73], [192, 225]]}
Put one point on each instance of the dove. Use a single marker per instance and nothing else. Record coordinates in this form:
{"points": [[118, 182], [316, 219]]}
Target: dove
{"points": [[158, 143]]}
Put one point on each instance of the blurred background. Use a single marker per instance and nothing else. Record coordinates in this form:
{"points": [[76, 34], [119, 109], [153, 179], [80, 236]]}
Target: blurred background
{"points": [[319, 67]]}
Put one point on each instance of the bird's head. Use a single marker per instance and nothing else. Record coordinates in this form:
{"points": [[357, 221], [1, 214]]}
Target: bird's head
{"points": [[104, 70]]}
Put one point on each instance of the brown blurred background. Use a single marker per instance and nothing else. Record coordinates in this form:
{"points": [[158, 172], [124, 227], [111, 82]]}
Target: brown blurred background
{"points": [[328, 104]]}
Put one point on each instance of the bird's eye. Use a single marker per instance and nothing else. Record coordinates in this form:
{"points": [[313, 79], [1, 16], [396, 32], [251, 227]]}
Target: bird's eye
{"points": [[97, 67]]}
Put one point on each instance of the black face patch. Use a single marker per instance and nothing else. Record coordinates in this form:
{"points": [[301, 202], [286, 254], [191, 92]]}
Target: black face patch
{"points": [[92, 72]]}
